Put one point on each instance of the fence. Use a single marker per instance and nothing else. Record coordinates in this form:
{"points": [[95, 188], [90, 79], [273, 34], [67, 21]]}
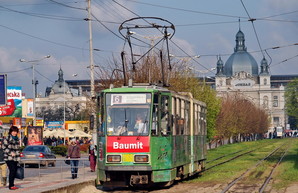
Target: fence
{"points": [[44, 172]]}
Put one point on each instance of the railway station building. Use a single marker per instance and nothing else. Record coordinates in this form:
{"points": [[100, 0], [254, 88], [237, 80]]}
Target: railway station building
{"points": [[241, 74]]}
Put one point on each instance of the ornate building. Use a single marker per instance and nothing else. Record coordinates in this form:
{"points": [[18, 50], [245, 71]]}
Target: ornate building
{"points": [[60, 97], [240, 74]]}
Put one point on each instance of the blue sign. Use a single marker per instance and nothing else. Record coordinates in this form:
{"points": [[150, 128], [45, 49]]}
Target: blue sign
{"points": [[3, 95]]}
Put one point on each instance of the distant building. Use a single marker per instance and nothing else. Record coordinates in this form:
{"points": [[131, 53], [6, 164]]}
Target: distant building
{"points": [[240, 74], [59, 95]]}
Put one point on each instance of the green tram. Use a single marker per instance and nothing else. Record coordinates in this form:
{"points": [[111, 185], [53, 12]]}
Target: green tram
{"points": [[167, 144]]}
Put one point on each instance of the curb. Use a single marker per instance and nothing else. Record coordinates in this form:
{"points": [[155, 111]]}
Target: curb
{"points": [[72, 188]]}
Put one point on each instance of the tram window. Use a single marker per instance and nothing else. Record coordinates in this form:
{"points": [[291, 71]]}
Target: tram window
{"points": [[174, 115], [187, 118], [154, 129], [99, 120], [165, 126], [196, 119]]}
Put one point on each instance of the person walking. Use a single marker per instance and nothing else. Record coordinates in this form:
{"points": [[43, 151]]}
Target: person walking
{"points": [[92, 155], [3, 166], [11, 148], [73, 152]]}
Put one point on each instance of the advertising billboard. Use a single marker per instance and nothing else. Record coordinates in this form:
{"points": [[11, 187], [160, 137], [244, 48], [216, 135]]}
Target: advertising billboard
{"points": [[30, 108], [53, 125], [3, 96], [34, 135], [13, 108]]}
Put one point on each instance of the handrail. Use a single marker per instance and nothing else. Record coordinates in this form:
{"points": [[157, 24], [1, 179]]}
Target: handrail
{"points": [[64, 168]]}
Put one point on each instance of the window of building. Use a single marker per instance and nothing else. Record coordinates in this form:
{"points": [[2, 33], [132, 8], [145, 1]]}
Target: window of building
{"points": [[265, 81], [276, 121], [275, 101], [265, 102]]}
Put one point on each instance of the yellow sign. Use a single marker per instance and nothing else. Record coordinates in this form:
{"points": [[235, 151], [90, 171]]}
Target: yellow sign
{"points": [[39, 122], [128, 158]]}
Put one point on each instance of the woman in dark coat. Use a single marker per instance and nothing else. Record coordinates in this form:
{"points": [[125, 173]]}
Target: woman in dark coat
{"points": [[11, 148], [92, 155], [73, 153]]}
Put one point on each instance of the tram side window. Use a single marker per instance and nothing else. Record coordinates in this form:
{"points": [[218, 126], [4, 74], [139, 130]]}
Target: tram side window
{"points": [[187, 118], [154, 129], [196, 128], [174, 110], [203, 121], [177, 117], [165, 126], [99, 120]]}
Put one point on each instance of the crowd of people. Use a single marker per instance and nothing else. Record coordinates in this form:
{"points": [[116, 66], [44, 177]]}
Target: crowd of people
{"points": [[55, 141]]}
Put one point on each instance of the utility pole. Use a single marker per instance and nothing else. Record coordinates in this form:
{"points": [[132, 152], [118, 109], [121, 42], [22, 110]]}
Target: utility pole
{"points": [[93, 108], [34, 83]]}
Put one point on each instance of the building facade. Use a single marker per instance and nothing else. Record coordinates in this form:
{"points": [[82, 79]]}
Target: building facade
{"points": [[59, 96], [241, 75]]}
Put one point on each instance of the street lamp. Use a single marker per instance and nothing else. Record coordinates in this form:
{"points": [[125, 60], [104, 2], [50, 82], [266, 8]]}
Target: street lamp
{"points": [[34, 83], [64, 111]]}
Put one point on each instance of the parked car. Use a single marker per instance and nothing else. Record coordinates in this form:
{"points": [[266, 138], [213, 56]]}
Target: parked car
{"points": [[37, 154]]}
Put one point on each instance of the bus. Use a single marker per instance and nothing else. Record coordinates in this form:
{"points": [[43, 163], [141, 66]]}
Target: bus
{"points": [[168, 145]]}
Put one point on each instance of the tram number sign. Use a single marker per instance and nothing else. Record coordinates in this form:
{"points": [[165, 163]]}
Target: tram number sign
{"points": [[117, 99]]}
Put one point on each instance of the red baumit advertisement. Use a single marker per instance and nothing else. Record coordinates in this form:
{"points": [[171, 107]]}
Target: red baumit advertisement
{"points": [[127, 144]]}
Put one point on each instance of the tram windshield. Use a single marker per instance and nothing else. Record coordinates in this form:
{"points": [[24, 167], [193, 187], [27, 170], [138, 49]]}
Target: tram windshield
{"points": [[128, 114]]}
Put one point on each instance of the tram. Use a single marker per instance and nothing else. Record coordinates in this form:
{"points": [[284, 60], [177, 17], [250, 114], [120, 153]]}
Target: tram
{"points": [[149, 135]]}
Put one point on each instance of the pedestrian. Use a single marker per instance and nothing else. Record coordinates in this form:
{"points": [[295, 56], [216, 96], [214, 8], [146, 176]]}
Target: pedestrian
{"points": [[92, 155], [3, 166], [25, 140], [73, 153], [11, 147]]}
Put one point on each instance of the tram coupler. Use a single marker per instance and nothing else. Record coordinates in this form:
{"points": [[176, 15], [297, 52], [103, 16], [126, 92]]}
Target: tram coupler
{"points": [[138, 179]]}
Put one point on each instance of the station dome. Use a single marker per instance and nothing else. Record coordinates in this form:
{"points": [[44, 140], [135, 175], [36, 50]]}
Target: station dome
{"points": [[240, 60]]}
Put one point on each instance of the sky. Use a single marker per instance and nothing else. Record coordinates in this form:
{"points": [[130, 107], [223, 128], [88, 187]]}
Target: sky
{"points": [[33, 29]]}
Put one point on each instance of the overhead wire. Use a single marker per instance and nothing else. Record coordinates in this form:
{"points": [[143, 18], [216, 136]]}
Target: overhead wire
{"points": [[43, 76], [252, 22], [13, 71], [65, 5], [187, 10], [285, 60], [36, 4], [49, 41], [45, 16]]}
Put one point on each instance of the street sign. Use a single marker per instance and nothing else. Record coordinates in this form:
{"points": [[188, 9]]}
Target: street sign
{"points": [[3, 91]]}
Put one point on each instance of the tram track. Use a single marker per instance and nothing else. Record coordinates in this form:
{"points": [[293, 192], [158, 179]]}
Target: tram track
{"points": [[233, 158], [279, 152]]}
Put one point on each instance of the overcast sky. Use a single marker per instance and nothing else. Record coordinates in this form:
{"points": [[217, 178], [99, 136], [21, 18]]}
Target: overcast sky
{"points": [[32, 29]]}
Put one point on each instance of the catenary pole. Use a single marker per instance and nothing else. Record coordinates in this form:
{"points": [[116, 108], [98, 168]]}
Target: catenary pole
{"points": [[91, 69]]}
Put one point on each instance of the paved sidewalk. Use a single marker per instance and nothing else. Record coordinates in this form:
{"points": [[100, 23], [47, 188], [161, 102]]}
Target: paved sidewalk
{"points": [[52, 182]]}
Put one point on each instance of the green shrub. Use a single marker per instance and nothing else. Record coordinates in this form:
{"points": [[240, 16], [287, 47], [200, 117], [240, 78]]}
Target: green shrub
{"points": [[60, 149]]}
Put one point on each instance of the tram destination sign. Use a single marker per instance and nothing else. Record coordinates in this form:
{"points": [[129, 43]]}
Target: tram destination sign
{"points": [[3, 89], [128, 98]]}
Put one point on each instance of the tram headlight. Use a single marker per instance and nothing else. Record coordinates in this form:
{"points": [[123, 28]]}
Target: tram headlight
{"points": [[141, 158], [113, 158]]}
